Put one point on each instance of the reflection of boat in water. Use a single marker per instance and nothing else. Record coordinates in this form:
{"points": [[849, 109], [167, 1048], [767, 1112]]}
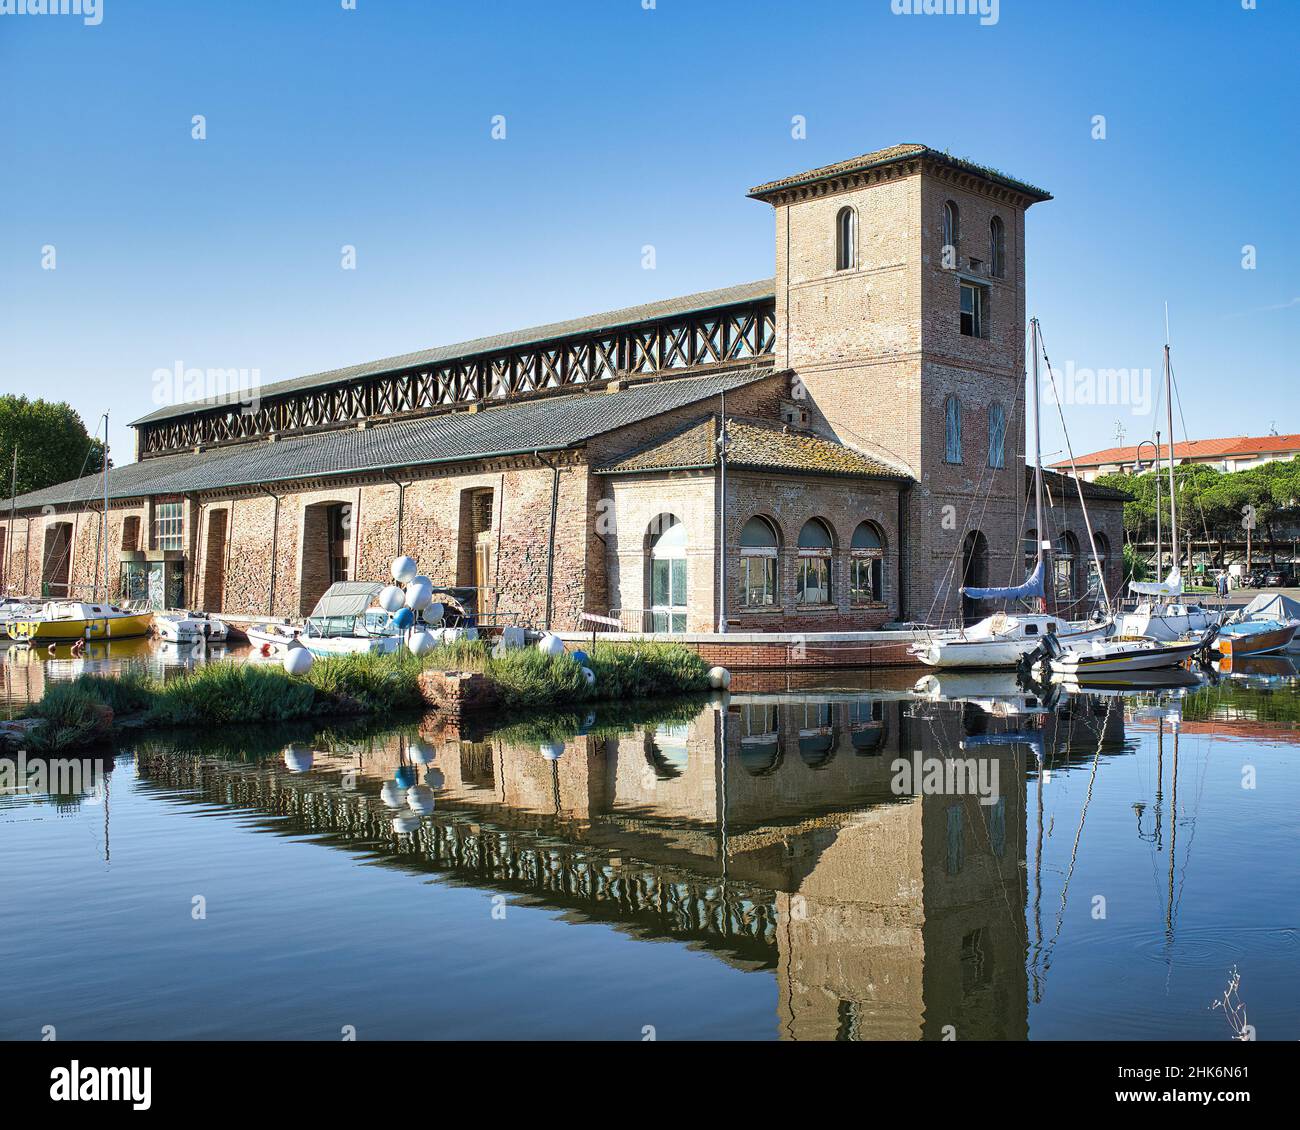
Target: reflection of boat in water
{"points": [[1265, 668], [1132, 682], [995, 692], [64, 620]]}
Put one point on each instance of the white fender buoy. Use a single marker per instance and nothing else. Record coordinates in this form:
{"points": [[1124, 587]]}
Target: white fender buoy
{"points": [[434, 612], [419, 594], [298, 758], [551, 645], [434, 778], [406, 823], [391, 598], [297, 660], [589, 676], [719, 678], [392, 795], [552, 751], [403, 569], [420, 751], [419, 798], [420, 642]]}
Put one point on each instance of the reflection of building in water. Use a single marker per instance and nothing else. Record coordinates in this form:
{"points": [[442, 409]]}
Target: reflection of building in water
{"points": [[882, 916]]}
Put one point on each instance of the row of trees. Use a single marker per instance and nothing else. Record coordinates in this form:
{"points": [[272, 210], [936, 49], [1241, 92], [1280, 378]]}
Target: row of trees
{"points": [[1213, 505], [52, 441]]}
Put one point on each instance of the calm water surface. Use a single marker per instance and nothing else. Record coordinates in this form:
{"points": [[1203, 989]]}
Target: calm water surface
{"points": [[742, 869]]}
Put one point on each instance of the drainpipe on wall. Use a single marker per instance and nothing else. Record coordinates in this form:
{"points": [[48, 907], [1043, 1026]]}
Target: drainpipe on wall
{"points": [[27, 554], [401, 508], [904, 553], [275, 550], [550, 546]]}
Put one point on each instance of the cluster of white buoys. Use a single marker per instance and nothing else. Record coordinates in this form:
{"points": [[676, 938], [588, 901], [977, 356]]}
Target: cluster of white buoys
{"points": [[551, 645], [410, 799]]}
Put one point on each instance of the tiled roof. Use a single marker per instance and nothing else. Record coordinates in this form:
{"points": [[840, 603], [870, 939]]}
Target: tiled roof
{"points": [[1231, 447], [1063, 487], [551, 424], [891, 155], [515, 339], [753, 445]]}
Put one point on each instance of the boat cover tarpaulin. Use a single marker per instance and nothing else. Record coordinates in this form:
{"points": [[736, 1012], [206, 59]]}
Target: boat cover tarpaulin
{"points": [[346, 598], [1273, 606], [1033, 586], [1172, 585]]}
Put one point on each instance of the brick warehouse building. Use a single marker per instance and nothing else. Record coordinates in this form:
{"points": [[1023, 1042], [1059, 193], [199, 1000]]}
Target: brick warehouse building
{"points": [[873, 458]]}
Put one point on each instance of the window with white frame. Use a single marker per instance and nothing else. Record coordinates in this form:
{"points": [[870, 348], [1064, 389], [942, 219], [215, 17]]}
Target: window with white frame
{"points": [[867, 565], [974, 302], [168, 522], [815, 549], [758, 556]]}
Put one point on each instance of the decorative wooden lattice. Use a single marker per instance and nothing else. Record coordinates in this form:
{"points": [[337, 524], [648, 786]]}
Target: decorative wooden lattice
{"points": [[727, 335]]}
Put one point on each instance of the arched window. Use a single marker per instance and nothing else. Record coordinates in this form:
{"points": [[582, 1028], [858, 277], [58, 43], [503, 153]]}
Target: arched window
{"points": [[867, 728], [815, 547], [867, 565], [760, 744], [667, 539], [951, 234], [1065, 560], [846, 239], [997, 248], [758, 545], [952, 430], [1094, 577], [817, 735], [997, 435]]}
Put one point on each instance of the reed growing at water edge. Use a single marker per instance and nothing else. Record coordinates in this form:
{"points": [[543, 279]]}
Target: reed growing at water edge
{"points": [[82, 711]]}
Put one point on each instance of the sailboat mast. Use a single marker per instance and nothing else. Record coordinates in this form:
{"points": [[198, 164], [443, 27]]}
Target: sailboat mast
{"points": [[1173, 501], [9, 536], [103, 520], [1038, 446]]}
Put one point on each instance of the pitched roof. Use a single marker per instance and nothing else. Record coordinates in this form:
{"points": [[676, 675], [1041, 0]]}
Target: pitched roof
{"points": [[754, 445], [1064, 485], [512, 429], [1227, 448], [515, 339], [892, 155]]}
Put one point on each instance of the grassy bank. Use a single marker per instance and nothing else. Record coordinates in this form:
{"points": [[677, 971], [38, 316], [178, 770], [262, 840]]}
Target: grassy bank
{"points": [[77, 713]]}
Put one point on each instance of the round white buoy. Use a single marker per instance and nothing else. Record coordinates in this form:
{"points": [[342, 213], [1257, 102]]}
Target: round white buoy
{"points": [[297, 660], [434, 613], [419, 798], [403, 569], [589, 676], [391, 598], [298, 758], [421, 752], [419, 594], [405, 824], [551, 645], [552, 751], [392, 794], [434, 778], [719, 678], [420, 642]]}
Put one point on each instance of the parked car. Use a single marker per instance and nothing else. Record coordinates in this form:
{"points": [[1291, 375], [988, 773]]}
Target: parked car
{"points": [[1275, 580]]}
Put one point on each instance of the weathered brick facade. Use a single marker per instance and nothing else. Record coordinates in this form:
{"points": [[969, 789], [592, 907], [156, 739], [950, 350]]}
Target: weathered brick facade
{"points": [[869, 353]]}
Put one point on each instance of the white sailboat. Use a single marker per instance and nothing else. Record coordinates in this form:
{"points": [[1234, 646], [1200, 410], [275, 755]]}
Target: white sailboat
{"points": [[1008, 639], [1163, 614]]}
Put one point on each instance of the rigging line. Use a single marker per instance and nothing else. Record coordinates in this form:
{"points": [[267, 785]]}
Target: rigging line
{"points": [[1069, 447], [1178, 399], [1078, 836]]}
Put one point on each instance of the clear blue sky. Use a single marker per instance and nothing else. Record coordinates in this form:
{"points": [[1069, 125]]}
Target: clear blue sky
{"points": [[625, 127]]}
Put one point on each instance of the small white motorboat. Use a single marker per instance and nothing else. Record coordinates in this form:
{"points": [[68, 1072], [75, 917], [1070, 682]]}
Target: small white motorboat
{"points": [[1125, 653], [189, 627], [269, 638]]}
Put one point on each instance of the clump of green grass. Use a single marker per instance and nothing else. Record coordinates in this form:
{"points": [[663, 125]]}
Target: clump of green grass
{"points": [[72, 715], [368, 683], [230, 692]]}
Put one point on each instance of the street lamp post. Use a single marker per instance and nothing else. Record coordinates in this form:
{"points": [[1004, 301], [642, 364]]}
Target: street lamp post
{"points": [[1155, 462]]}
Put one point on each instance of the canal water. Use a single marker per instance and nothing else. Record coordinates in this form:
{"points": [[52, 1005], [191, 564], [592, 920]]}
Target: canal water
{"points": [[1074, 865]]}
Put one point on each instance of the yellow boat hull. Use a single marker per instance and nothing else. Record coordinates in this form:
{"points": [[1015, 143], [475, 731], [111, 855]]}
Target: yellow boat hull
{"points": [[90, 628]]}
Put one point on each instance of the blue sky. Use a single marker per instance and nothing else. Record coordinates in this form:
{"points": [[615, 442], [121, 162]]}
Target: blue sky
{"points": [[624, 127]]}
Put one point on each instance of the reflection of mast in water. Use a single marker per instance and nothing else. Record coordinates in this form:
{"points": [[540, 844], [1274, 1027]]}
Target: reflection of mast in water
{"points": [[1173, 842]]}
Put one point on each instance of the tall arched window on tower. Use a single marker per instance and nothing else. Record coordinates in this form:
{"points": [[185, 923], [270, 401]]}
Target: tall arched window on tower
{"points": [[997, 436], [997, 248], [951, 234], [952, 430], [846, 239], [815, 547]]}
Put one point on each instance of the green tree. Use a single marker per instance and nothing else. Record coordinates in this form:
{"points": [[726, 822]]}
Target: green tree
{"points": [[53, 444]]}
